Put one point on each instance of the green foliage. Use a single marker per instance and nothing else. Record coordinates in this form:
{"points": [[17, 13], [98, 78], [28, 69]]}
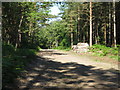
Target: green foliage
{"points": [[65, 42], [63, 48], [115, 57], [25, 52], [119, 58], [102, 50], [8, 50], [13, 62], [56, 34], [24, 26], [21, 22]]}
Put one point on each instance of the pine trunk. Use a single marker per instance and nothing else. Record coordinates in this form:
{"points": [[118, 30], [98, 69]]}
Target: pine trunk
{"points": [[19, 34], [78, 31], [114, 21], [109, 25], [90, 23], [71, 34]]}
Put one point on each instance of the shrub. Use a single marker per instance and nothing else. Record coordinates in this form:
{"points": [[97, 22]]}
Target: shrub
{"points": [[63, 48], [7, 50], [13, 62], [25, 52], [102, 50]]}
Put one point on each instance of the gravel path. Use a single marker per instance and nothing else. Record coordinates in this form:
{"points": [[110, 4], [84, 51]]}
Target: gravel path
{"points": [[69, 56], [65, 69]]}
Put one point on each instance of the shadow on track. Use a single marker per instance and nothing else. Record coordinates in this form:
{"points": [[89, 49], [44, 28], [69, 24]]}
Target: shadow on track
{"points": [[45, 73]]}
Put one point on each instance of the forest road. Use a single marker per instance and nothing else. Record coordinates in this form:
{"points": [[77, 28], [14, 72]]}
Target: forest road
{"points": [[66, 69]]}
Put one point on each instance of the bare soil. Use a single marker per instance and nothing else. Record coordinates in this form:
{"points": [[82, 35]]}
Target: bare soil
{"points": [[66, 69]]}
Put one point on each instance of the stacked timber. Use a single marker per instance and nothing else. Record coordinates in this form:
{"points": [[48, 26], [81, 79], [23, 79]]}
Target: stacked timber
{"points": [[80, 47]]}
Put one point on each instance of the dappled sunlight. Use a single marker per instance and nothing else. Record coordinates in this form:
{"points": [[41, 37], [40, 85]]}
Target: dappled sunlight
{"points": [[77, 46], [33, 74], [37, 68], [29, 79], [57, 70], [37, 84], [52, 74]]}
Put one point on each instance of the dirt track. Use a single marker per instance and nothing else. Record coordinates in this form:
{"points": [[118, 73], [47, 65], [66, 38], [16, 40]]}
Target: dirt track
{"points": [[60, 69], [69, 56]]}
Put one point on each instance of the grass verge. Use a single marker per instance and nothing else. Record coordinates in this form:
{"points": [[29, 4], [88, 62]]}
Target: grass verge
{"points": [[101, 50], [63, 48]]}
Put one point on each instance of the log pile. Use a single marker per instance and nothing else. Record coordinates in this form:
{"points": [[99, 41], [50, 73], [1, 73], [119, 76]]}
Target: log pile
{"points": [[80, 47]]}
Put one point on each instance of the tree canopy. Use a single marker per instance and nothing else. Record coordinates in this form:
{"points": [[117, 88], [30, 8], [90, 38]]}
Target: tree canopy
{"points": [[25, 24]]}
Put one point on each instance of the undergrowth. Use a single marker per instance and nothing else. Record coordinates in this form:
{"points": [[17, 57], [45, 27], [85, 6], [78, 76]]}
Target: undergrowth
{"points": [[63, 48], [14, 61], [102, 50]]}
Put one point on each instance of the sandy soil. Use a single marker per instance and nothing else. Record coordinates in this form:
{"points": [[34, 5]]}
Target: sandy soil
{"points": [[66, 69], [70, 56]]}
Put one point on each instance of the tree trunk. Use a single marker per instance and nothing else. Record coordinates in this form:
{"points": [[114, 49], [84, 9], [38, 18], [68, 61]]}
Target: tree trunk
{"points": [[56, 42], [84, 38], [19, 34], [105, 34], [78, 31], [109, 25], [90, 23], [96, 33], [71, 34], [114, 21]]}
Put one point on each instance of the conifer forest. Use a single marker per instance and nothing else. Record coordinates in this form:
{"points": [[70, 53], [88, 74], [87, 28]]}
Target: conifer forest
{"points": [[47, 45]]}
